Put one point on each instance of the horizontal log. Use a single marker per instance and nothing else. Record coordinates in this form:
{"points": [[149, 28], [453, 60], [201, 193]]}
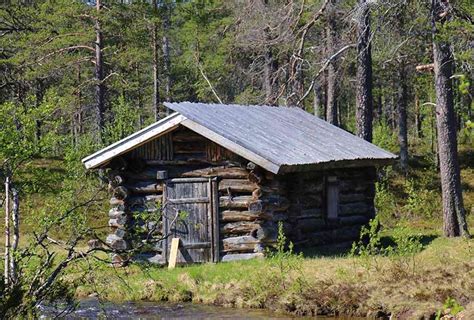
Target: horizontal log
{"points": [[274, 187], [115, 213], [121, 193], [356, 208], [118, 203], [237, 185], [338, 235], [119, 232], [309, 201], [270, 203], [145, 187], [346, 233], [268, 231], [310, 225], [241, 227], [241, 256], [118, 222], [358, 173], [318, 238], [307, 187], [146, 201], [116, 242], [222, 171], [311, 213], [235, 202], [181, 162], [255, 177], [352, 197], [233, 216], [115, 180], [239, 244], [353, 220], [354, 186]]}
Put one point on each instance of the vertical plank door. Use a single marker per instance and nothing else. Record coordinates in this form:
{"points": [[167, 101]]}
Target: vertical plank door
{"points": [[188, 215]]}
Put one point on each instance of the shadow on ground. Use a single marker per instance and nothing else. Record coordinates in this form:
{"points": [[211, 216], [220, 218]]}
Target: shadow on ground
{"points": [[341, 250]]}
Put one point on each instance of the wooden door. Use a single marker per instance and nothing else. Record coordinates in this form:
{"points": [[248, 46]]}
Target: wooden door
{"points": [[190, 213]]}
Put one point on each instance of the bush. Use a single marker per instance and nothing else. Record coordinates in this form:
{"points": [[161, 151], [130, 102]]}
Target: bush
{"points": [[421, 201]]}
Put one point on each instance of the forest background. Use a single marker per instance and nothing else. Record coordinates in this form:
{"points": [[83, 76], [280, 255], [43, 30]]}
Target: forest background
{"points": [[78, 75]]}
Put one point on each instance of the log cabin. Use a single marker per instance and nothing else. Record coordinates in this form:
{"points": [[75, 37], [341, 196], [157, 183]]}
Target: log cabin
{"points": [[237, 172]]}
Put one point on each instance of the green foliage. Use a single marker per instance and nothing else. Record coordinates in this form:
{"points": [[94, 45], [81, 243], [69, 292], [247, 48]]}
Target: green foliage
{"points": [[402, 253], [385, 137], [125, 120], [385, 199], [421, 201], [467, 133], [451, 306], [283, 261]]}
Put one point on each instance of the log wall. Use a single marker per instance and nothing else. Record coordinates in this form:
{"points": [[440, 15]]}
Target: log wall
{"points": [[308, 217], [252, 201]]}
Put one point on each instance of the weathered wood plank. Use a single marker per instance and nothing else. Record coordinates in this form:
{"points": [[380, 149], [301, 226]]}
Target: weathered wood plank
{"points": [[356, 208], [240, 227], [235, 202], [141, 187], [233, 215], [240, 244], [352, 197], [121, 193], [237, 185], [270, 203], [310, 225], [221, 171], [353, 220], [241, 256]]}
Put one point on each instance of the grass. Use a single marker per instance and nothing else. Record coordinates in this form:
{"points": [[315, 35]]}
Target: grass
{"points": [[339, 284], [322, 281]]}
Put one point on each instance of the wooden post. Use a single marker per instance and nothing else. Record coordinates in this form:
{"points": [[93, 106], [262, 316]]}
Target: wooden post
{"points": [[7, 231], [173, 253], [215, 219], [16, 233]]}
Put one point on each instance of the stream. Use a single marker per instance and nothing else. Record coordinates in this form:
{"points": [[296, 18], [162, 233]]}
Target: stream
{"points": [[93, 309]]}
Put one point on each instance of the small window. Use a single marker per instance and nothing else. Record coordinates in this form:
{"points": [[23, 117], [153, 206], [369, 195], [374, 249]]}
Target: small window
{"points": [[332, 198]]}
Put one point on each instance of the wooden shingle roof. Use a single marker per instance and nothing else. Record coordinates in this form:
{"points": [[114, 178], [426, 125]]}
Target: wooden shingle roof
{"points": [[279, 139]]}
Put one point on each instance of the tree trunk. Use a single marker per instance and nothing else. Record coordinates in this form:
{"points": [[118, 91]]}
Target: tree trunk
{"points": [[331, 101], [364, 73], [16, 233], [268, 72], [418, 119], [453, 209], [7, 233], [318, 102], [166, 54], [155, 62], [156, 80], [99, 76], [402, 116], [39, 92], [77, 115], [402, 102], [140, 119]]}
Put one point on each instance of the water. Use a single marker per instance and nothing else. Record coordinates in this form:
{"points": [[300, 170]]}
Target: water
{"points": [[93, 309]]}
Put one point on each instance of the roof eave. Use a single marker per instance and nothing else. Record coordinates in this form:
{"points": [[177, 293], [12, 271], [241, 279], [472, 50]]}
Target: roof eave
{"points": [[349, 163], [133, 141]]}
